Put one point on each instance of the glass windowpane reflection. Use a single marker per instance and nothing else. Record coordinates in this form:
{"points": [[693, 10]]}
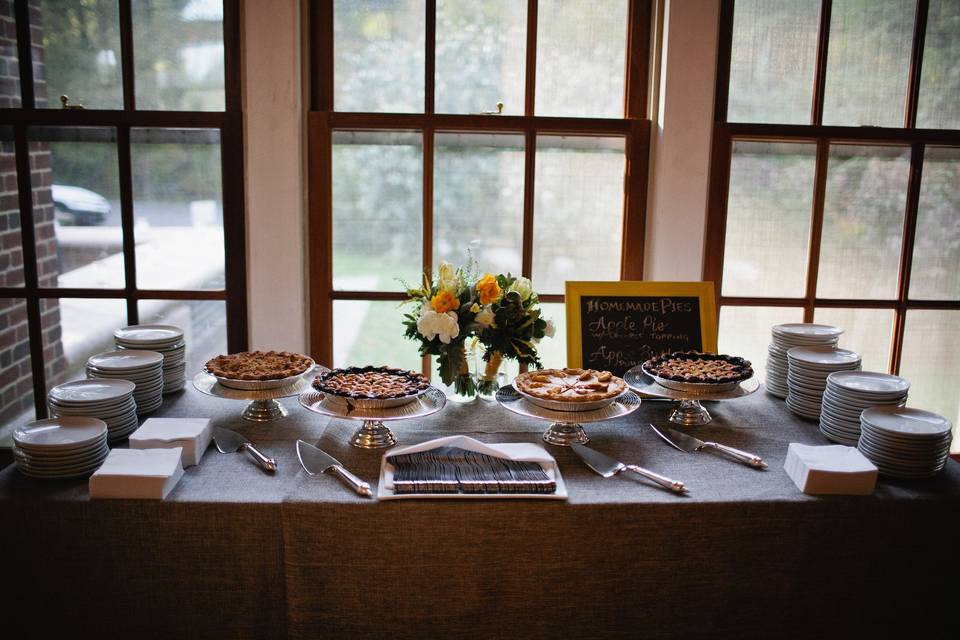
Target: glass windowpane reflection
{"points": [[478, 200], [178, 208], [377, 209]]}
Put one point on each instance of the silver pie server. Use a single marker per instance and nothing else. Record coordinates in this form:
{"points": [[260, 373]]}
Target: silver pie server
{"points": [[228, 441], [607, 467], [316, 461], [688, 444]]}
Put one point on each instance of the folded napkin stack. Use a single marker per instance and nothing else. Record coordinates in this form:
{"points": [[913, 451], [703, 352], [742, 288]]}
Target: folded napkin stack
{"points": [[190, 434], [133, 473], [832, 469]]}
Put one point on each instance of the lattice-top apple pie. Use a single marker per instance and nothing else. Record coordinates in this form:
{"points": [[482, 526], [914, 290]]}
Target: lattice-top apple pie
{"points": [[570, 385]]}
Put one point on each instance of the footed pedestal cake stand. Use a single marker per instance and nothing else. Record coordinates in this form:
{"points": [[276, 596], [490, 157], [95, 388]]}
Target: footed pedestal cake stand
{"points": [[263, 405], [565, 426], [689, 412], [373, 433]]}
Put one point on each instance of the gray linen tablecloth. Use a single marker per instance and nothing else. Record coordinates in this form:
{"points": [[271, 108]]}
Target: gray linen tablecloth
{"points": [[236, 553]]}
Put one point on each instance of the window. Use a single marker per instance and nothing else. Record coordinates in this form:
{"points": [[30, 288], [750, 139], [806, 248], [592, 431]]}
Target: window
{"points": [[411, 162], [125, 211], [835, 186]]}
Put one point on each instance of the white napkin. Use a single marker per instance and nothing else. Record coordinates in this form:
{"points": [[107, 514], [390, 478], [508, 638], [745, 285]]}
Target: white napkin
{"points": [[519, 451], [137, 473], [831, 469], [191, 434]]}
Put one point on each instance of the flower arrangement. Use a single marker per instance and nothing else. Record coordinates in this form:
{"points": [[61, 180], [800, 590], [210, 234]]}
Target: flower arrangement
{"points": [[501, 312]]}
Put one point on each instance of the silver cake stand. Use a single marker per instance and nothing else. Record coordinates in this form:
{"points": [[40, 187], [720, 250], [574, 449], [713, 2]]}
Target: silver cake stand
{"points": [[373, 433], [263, 405], [565, 427], [689, 412]]}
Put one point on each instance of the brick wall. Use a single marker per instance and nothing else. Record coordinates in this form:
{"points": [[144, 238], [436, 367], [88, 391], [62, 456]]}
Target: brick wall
{"points": [[16, 380]]}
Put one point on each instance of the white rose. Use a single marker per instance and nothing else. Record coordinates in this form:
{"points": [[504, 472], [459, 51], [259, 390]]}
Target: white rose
{"points": [[448, 277], [550, 330], [432, 324], [485, 317], [523, 287]]}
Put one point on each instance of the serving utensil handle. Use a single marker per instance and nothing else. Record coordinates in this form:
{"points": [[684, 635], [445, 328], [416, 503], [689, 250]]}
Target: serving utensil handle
{"points": [[267, 464], [673, 485], [358, 485], [745, 457]]}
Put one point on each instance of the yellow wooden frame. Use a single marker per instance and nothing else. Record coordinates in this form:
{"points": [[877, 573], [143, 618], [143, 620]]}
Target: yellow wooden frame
{"points": [[642, 289]]}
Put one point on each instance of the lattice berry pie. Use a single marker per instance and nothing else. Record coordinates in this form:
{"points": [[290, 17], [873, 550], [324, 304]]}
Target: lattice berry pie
{"points": [[570, 385], [371, 383], [259, 365], [703, 368]]}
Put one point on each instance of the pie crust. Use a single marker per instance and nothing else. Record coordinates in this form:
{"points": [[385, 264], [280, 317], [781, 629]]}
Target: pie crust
{"points": [[700, 368], [371, 383], [570, 385], [258, 365]]}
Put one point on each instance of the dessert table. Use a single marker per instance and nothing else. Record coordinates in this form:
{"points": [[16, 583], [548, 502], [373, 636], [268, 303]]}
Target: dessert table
{"points": [[234, 552]]}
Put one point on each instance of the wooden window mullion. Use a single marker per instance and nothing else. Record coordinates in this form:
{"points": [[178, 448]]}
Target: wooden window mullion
{"points": [[916, 64], [820, 70], [816, 227], [906, 252], [125, 174], [126, 55]]}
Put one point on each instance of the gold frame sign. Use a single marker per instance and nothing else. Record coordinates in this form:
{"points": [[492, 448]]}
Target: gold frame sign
{"points": [[618, 325]]}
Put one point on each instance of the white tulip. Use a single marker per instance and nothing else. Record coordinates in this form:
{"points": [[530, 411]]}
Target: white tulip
{"points": [[448, 278]]}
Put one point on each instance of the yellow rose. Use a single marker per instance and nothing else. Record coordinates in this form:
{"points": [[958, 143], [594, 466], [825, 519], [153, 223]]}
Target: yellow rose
{"points": [[444, 301], [488, 289]]}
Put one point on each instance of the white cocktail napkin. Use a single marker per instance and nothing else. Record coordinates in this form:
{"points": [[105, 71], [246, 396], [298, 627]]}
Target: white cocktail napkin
{"points": [[137, 473], [832, 469], [191, 434], [519, 451]]}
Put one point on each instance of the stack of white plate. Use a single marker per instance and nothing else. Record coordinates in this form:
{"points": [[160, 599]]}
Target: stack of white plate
{"points": [[848, 393], [109, 400], [808, 368], [166, 340], [786, 336], [59, 448], [905, 443], [142, 368]]}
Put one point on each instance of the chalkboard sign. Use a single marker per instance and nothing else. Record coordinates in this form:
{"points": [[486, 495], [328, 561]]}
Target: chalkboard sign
{"points": [[615, 326]]}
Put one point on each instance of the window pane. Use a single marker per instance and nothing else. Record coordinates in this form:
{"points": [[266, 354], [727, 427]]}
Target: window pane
{"points": [[553, 351], [77, 54], [73, 330], [11, 249], [578, 210], [581, 58], [869, 332], [745, 332], [868, 62], [931, 362], [480, 57], [371, 333], [772, 60], [204, 324], [178, 52], [10, 78], [863, 222], [16, 376], [939, 106], [178, 208], [936, 251], [377, 210], [378, 55], [76, 207], [478, 200], [768, 219]]}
